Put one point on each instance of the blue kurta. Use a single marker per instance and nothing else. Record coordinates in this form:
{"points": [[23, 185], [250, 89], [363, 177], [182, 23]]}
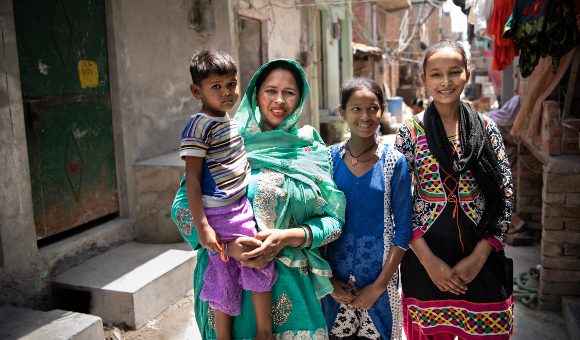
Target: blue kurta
{"points": [[378, 215]]}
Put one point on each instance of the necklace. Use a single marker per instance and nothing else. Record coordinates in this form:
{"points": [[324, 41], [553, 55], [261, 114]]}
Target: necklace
{"points": [[354, 159]]}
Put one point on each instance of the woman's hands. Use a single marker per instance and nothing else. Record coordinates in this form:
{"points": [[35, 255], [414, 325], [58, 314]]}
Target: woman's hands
{"points": [[363, 299], [341, 293], [468, 268], [259, 251], [443, 276], [271, 244], [440, 273], [367, 296]]}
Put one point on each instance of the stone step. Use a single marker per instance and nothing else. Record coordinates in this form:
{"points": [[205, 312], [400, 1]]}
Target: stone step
{"points": [[128, 285], [571, 313], [156, 182], [29, 324]]}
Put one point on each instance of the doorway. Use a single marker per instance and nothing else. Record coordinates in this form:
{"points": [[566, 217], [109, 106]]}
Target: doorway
{"points": [[64, 75]]}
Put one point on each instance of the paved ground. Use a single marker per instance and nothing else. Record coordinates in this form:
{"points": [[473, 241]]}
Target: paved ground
{"points": [[533, 323], [177, 322]]}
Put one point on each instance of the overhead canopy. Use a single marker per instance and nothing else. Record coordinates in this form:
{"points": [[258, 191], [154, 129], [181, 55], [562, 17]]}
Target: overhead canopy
{"points": [[394, 5], [362, 48]]}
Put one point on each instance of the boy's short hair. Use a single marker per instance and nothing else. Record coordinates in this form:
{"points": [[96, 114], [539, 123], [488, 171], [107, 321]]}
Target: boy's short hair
{"points": [[418, 102], [210, 60]]}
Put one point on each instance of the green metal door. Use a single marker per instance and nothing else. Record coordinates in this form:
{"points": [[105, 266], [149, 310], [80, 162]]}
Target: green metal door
{"points": [[64, 72]]}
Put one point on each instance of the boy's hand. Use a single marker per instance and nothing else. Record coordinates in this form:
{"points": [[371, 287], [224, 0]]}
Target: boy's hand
{"points": [[209, 239]]}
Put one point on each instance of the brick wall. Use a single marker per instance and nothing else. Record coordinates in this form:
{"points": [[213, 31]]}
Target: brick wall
{"points": [[391, 31], [561, 230], [559, 137], [361, 23], [560, 275]]}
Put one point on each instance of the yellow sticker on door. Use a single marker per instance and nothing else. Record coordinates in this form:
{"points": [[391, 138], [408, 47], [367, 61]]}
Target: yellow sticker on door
{"points": [[88, 74]]}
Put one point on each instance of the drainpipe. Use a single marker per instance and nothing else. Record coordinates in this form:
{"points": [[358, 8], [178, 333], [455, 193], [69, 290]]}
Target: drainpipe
{"points": [[374, 24], [374, 33]]}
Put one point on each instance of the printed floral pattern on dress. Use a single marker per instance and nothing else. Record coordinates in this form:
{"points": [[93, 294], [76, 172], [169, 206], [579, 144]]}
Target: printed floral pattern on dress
{"points": [[320, 203], [184, 220], [266, 199], [319, 334], [211, 318], [430, 199], [281, 310], [330, 237]]}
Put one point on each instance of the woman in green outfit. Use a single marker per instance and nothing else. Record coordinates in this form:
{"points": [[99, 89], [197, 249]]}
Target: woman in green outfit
{"points": [[296, 204]]}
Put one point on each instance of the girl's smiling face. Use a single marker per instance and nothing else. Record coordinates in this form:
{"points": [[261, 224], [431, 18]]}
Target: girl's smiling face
{"points": [[445, 75], [363, 113]]}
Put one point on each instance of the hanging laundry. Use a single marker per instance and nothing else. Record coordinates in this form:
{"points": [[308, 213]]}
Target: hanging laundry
{"points": [[504, 49], [542, 28], [479, 15]]}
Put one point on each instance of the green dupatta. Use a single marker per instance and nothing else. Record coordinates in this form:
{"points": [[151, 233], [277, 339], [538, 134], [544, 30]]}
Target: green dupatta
{"points": [[301, 155]]}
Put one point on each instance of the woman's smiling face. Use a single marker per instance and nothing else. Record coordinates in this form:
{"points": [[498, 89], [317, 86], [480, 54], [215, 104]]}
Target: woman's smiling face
{"points": [[278, 97], [445, 75]]}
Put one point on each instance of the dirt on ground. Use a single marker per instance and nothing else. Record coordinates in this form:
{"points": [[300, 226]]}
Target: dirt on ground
{"points": [[175, 323]]}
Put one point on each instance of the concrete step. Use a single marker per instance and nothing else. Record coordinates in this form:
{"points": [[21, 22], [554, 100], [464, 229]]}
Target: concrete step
{"points": [[29, 324], [128, 285], [156, 182], [571, 313]]}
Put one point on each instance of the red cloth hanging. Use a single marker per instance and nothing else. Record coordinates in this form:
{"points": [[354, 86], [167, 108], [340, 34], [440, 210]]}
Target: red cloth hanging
{"points": [[504, 49]]}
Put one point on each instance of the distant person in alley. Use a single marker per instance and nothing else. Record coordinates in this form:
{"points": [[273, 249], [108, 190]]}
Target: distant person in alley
{"points": [[297, 207], [374, 177], [214, 186], [457, 280]]}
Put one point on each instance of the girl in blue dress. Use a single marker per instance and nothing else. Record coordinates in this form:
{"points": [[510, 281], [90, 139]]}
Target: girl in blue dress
{"points": [[374, 177]]}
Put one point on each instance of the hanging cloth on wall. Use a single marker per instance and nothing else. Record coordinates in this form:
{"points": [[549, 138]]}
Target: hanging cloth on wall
{"points": [[542, 28], [504, 49]]}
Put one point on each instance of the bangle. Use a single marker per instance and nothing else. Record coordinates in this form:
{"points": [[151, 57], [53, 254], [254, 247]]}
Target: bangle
{"points": [[306, 236], [224, 253]]}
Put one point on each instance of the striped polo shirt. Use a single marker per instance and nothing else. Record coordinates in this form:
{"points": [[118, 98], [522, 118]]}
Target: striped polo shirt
{"points": [[218, 142]]}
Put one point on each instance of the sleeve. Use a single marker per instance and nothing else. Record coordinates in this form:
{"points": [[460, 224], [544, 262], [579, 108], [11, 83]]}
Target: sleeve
{"points": [[325, 229], [402, 204], [498, 147], [196, 136], [182, 218], [404, 143], [328, 227]]}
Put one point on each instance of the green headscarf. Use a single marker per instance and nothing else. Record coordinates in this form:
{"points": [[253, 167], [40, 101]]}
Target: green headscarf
{"points": [[299, 154]]}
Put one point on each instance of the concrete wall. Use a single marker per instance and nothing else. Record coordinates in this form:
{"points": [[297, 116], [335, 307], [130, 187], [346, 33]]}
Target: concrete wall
{"points": [[17, 231], [153, 43]]}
